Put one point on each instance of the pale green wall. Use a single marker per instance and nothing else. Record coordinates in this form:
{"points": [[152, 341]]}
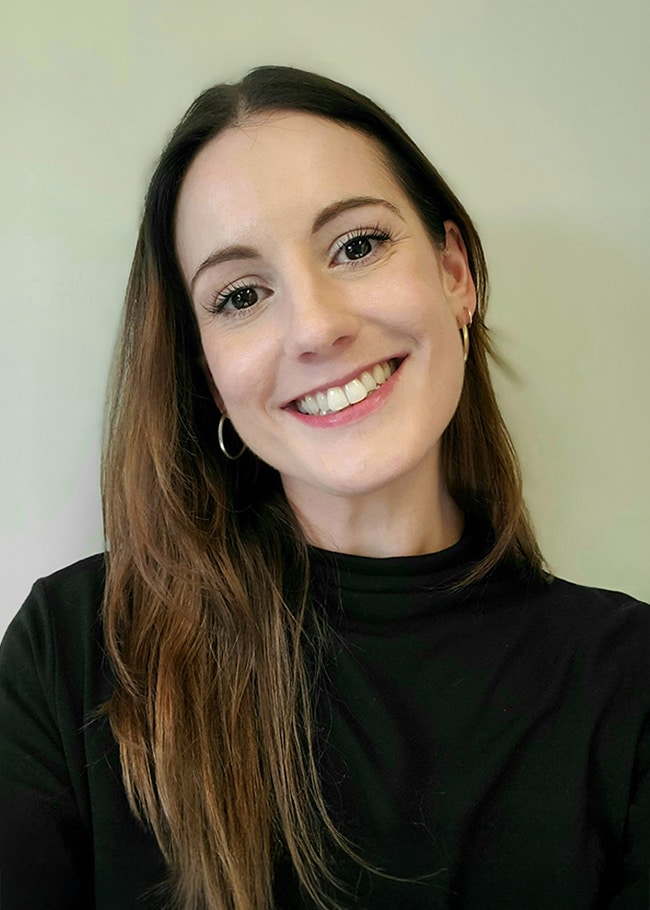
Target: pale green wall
{"points": [[537, 112]]}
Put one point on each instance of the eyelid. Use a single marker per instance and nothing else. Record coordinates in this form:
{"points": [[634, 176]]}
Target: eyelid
{"points": [[377, 232], [218, 301]]}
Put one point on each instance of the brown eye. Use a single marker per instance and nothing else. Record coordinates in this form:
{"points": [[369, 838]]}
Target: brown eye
{"points": [[239, 297], [361, 245], [242, 298], [358, 247]]}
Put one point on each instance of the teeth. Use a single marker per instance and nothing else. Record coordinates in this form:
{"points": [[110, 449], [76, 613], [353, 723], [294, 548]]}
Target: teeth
{"points": [[355, 391], [311, 404], [336, 399], [340, 397], [368, 381], [321, 401]]}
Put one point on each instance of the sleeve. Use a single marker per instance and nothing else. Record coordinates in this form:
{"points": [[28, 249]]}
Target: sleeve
{"points": [[635, 893], [45, 860]]}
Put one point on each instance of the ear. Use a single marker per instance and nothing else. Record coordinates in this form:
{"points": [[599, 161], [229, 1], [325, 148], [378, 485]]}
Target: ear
{"points": [[457, 280]]}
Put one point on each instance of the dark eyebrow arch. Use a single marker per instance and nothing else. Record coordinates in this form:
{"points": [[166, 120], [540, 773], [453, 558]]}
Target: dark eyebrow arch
{"points": [[353, 202], [226, 254]]}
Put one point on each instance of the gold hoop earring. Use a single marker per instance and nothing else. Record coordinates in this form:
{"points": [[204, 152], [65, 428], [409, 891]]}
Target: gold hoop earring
{"points": [[222, 445], [464, 331], [465, 335]]}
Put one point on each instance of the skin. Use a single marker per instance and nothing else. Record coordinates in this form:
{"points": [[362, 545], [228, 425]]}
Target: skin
{"points": [[326, 305]]}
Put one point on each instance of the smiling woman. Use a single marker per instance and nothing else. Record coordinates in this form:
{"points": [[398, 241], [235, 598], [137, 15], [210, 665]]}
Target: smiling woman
{"points": [[329, 274], [321, 663]]}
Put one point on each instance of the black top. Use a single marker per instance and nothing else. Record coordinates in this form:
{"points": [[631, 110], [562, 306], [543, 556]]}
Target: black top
{"points": [[492, 743]]}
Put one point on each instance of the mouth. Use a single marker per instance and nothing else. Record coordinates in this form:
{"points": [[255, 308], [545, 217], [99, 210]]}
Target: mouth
{"points": [[337, 398]]}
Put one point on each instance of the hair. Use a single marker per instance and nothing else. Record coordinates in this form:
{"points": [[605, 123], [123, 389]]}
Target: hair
{"points": [[207, 615]]}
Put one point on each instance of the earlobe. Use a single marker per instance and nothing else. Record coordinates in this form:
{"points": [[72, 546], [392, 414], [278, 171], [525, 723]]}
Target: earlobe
{"points": [[456, 274], [218, 400]]}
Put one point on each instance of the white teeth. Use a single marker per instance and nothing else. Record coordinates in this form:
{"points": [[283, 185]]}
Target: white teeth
{"points": [[368, 381], [355, 391], [312, 405], [338, 398], [321, 400]]}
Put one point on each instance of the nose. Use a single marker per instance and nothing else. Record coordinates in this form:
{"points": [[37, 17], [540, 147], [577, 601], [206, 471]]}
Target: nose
{"points": [[321, 316]]}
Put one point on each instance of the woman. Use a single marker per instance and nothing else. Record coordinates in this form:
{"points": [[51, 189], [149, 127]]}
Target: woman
{"points": [[331, 668]]}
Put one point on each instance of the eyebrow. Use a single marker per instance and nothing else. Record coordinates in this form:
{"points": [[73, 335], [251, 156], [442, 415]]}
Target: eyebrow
{"points": [[344, 205], [230, 253], [224, 255]]}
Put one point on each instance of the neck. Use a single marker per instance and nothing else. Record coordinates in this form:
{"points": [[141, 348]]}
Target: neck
{"points": [[394, 522]]}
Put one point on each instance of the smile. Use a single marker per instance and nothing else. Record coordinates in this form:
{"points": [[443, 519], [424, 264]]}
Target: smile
{"points": [[338, 398]]}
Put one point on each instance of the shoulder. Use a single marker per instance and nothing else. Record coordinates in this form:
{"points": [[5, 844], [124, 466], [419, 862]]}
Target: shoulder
{"points": [[572, 593], [599, 636], [57, 632], [604, 635], [74, 591], [588, 607], [79, 582], [565, 602], [66, 601]]}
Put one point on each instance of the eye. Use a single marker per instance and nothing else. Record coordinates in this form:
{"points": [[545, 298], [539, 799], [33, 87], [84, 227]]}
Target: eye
{"points": [[360, 244], [358, 247], [243, 297], [236, 298]]}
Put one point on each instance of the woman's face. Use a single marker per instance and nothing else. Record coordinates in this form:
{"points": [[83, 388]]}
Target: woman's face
{"points": [[313, 280]]}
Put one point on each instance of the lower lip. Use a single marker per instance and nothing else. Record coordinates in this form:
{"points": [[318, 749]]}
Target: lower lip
{"points": [[353, 413]]}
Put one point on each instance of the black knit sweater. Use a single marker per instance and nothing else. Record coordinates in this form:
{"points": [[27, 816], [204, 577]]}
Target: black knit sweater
{"points": [[492, 745]]}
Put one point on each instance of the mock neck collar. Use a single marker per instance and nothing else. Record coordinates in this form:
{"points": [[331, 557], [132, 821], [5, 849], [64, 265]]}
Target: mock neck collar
{"points": [[370, 589]]}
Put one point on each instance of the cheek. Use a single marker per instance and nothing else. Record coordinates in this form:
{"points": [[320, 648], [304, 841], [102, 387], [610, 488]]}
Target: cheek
{"points": [[419, 303], [429, 318], [238, 375]]}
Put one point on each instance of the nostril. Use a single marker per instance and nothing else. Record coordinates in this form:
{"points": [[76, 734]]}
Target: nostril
{"points": [[341, 340], [314, 347]]}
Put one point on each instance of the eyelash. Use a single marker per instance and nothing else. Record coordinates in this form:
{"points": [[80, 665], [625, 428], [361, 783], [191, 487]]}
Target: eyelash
{"points": [[379, 233], [220, 300], [383, 235]]}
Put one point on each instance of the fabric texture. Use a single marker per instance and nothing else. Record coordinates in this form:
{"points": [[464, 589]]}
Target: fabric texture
{"points": [[490, 745]]}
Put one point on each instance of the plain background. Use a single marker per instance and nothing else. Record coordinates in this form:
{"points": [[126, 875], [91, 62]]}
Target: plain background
{"points": [[536, 112]]}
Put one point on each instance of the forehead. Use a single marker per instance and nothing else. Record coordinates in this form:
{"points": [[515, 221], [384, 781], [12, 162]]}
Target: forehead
{"points": [[279, 169]]}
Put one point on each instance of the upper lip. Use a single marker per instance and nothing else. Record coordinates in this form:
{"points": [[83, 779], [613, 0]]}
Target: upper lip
{"points": [[353, 374]]}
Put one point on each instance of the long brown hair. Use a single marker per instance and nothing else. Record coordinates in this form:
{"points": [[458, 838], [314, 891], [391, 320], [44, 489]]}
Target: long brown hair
{"points": [[207, 615]]}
